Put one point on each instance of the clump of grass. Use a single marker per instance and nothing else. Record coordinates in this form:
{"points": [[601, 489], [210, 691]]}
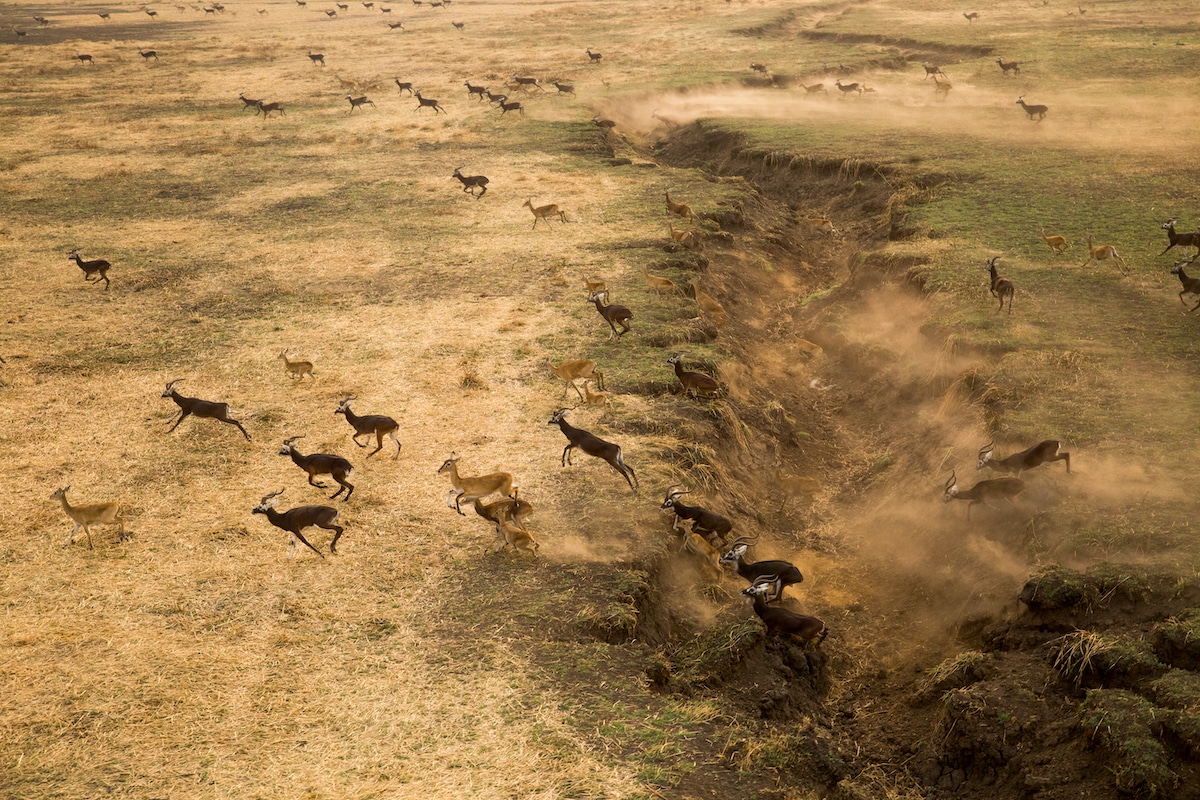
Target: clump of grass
{"points": [[1122, 725], [953, 673], [1177, 641], [470, 380], [1075, 653], [1054, 588]]}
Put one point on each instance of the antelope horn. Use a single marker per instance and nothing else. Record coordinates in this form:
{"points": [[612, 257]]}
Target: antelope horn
{"points": [[291, 439], [272, 494], [953, 480], [746, 540], [987, 448], [172, 383], [671, 493]]}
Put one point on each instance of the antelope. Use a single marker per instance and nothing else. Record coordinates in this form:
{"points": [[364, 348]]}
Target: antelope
{"points": [[699, 547], [1190, 285], [148, 54], [574, 370], [396, 25], [428, 102], [708, 305], [459, 25], [603, 124], [479, 91], [471, 182], [316, 58], [321, 464], [295, 520], [405, 86], [544, 212], [689, 239], [1041, 453], [712, 526], [694, 383], [511, 505], [369, 424], [495, 99], [1032, 111], [473, 488], [525, 83], [614, 315], [104, 15], [267, 108], [296, 369], [1000, 287], [563, 88], [974, 15], [248, 103], [781, 574], [984, 492], [1056, 243], [793, 486], [1184, 239], [201, 409], [1105, 252], [596, 287], [331, 15], [942, 87], [823, 224], [600, 398], [679, 209], [512, 533], [506, 107], [658, 283], [88, 515], [359, 102], [1007, 66], [151, 14], [594, 58], [847, 88], [593, 446], [84, 58], [96, 266], [781, 621], [760, 68], [815, 88], [932, 69]]}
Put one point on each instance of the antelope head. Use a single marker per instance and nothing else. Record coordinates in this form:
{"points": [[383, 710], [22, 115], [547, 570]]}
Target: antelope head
{"points": [[268, 501], [951, 488], [288, 447], [558, 416], [449, 464], [1169, 224], [738, 549], [985, 455], [672, 496], [345, 404], [170, 387]]}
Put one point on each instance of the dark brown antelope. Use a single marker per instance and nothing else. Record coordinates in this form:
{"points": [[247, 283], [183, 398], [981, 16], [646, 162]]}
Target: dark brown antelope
{"points": [[780, 574], [782, 622], [376, 425], [428, 102], [98, 267], [594, 446], [295, 520], [694, 383], [614, 315], [1041, 453], [1190, 285], [1181, 239], [1000, 287], [987, 492], [1033, 111], [201, 409], [359, 102], [1009, 66], [711, 525], [316, 58], [316, 464], [471, 183], [405, 86]]}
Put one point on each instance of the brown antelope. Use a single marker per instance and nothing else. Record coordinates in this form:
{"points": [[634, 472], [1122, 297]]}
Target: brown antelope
{"points": [[295, 520], [1041, 453], [511, 506], [544, 212], [1009, 66], [679, 209], [1190, 285], [974, 15], [816, 88], [614, 315], [1033, 111], [1057, 244], [575, 370], [511, 533], [1105, 252], [594, 446], [708, 305], [1000, 287], [97, 266], [780, 574], [984, 492], [316, 464], [694, 383], [687, 238], [359, 102], [942, 87], [781, 621], [658, 283], [847, 88], [1182, 239], [823, 224], [472, 488], [369, 424], [86, 516], [201, 409], [428, 102], [296, 369]]}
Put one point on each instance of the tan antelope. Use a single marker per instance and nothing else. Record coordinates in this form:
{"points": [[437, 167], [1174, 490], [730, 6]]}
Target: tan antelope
{"points": [[86, 516], [708, 305], [679, 209], [1104, 252], [472, 488], [1057, 244], [296, 369], [596, 287], [575, 370], [658, 283], [545, 212]]}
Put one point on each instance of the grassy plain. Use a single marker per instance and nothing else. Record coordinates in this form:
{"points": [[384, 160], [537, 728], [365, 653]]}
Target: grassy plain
{"points": [[196, 661]]}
